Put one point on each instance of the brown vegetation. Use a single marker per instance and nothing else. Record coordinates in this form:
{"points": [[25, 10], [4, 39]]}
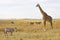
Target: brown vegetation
{"points": [[25, 31]]}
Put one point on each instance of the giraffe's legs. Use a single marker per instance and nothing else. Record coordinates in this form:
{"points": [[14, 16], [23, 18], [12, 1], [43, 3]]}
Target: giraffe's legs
{"points": [[51, 24], [44, 25]]}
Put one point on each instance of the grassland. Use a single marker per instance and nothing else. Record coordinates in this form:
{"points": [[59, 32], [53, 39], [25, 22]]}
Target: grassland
{"points": [[26, 31]]}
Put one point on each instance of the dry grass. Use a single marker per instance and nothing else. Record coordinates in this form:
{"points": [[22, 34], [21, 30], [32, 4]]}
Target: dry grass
{"points": [[26, 31]]}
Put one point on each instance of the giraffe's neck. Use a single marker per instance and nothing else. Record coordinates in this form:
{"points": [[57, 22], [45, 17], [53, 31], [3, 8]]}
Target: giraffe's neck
{"points": [[42, 12]]}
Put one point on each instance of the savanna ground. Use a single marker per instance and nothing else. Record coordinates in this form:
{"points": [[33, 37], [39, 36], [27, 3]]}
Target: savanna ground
{"points": [[27, 31]]}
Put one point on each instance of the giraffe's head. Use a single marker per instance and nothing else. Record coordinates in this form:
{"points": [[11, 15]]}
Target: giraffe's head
{"points": [[37, 5]]}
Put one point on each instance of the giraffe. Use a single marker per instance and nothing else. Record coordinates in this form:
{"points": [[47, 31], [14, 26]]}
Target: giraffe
{"points": [[45, 17]]}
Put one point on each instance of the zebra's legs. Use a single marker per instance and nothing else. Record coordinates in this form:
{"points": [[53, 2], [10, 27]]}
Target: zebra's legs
{"points": [[5, 33], [11, 33]]}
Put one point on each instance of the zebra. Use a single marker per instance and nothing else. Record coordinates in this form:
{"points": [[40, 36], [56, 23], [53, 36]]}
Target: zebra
{"points": [[31, 23], [12, 22], [38, 22], [11, 30]]}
